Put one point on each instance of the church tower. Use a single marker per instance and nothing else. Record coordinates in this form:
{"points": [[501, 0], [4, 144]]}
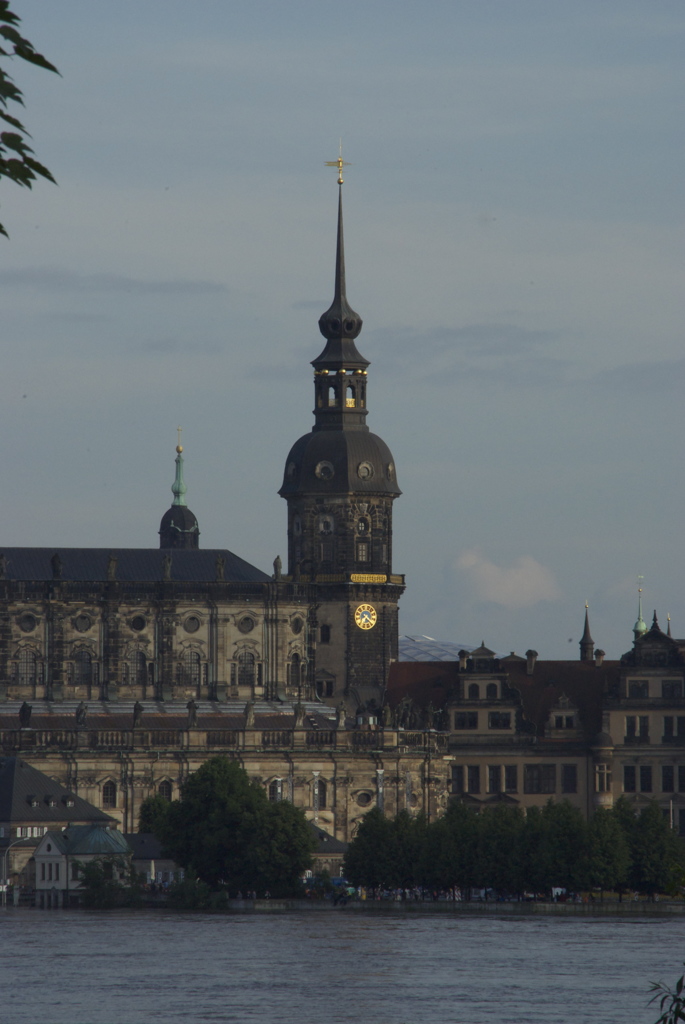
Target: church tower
{"points": [[340, 484]]}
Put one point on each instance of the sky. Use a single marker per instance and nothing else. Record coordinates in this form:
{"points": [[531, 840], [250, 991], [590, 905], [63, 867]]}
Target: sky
{"points": [[513, 232]]}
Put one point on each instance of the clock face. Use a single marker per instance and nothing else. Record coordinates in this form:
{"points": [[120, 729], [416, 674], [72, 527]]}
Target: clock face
{"points": [[365, 616]]}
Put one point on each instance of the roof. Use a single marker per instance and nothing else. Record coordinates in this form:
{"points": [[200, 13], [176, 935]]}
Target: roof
{"points": [[328, 844], [425, 648], [167, 715], [583, 682], [88, 840], [145, 846], [132, 565], [26, 794]]}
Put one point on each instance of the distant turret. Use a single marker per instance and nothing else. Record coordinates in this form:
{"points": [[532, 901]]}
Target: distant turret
{"points": [[179, 528]]}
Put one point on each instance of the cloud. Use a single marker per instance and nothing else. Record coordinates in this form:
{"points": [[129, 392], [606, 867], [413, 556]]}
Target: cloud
{"points": [[53, 278], [522, 584]]}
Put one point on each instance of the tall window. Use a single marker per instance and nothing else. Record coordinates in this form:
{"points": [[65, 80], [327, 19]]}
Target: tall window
{"points": [[246, 669], [491, 691], [474, 691], [164, 790], [363, 554], [295, 670], [629, 778], [457, 778], [494, 778], [645, 778], [191, 668], [319, 794], [569, 778], [473, 778], [667, 778], [511, 778], [138, 669], [109, 795], [602, 778], [27, 668], [275, 790], [83, 668]]}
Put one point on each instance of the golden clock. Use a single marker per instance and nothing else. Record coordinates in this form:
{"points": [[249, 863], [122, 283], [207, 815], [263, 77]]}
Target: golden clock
{"points": [[366, 616]]}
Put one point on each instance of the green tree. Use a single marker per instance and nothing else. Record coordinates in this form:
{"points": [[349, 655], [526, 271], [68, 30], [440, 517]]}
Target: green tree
{"points": [[154, 812], [408, 846], [226, 831], [108, 882], [535, 852], [657, 852], [16, 156], [501, 845], [452, 850], [608, 852], [369, 857], [566, 839]]}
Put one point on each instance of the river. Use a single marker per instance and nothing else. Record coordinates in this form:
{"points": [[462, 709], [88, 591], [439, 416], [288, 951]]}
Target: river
{"points": [[80, 967]]}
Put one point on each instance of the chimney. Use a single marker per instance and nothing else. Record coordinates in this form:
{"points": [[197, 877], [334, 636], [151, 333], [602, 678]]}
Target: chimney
{"points": [[599, 658], [530, 664]]}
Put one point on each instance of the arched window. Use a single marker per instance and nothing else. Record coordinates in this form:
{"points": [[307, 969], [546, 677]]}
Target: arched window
{"points": [[332, 398], [319, 794], [275, 790], [491, 691], [27, 668], [164, 789], [246, 669], [349, 400], [109, 795], [474, 691], [138, 669], [83, 668], [191, 668]]}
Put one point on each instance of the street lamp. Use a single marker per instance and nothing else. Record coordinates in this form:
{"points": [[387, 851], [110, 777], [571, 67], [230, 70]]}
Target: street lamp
{"points": [[4, 870]]}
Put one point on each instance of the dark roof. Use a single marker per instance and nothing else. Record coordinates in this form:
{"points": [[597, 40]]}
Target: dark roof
{"points": [[327, 843], [132, 565], [145, 846], [21, 786], [583, 682], [345, 450], [168, 715]]}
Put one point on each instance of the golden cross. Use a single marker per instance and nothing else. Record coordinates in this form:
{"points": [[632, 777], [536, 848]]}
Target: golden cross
{"points": [[179, 447], [339, 163]]}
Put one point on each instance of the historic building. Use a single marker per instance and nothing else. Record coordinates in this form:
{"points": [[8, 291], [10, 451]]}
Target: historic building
{"points": [[121, 671]]}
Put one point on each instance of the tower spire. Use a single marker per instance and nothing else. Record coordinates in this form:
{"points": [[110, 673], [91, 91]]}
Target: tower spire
{"points": [[587, 644], [179, 528], [640, 627], [178, 488]]}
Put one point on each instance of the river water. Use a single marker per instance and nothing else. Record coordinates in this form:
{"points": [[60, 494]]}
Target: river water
{"points": [[80, 967]]}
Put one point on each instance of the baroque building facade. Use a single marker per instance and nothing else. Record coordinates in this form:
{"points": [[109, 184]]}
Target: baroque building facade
{"points": [[121, 671]]}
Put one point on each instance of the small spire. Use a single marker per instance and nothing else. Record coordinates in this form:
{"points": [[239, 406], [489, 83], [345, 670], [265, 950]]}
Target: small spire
{"points": [[655, 621], [178, 488], [640, 627], [668, 619], [587, 644]]}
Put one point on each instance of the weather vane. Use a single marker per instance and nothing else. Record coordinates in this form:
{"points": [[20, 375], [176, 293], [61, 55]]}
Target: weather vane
{"points": [[339, 163]]}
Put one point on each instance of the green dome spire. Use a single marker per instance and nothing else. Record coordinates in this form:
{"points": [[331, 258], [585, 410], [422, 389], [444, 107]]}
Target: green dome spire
{"points": [[640, 627]]}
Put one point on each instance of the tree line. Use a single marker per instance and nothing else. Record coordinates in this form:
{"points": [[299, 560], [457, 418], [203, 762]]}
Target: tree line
{"points": [[502, 849]]}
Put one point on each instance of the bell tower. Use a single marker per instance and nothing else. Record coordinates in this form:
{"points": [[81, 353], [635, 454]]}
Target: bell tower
{"points": [[340, 485]]}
